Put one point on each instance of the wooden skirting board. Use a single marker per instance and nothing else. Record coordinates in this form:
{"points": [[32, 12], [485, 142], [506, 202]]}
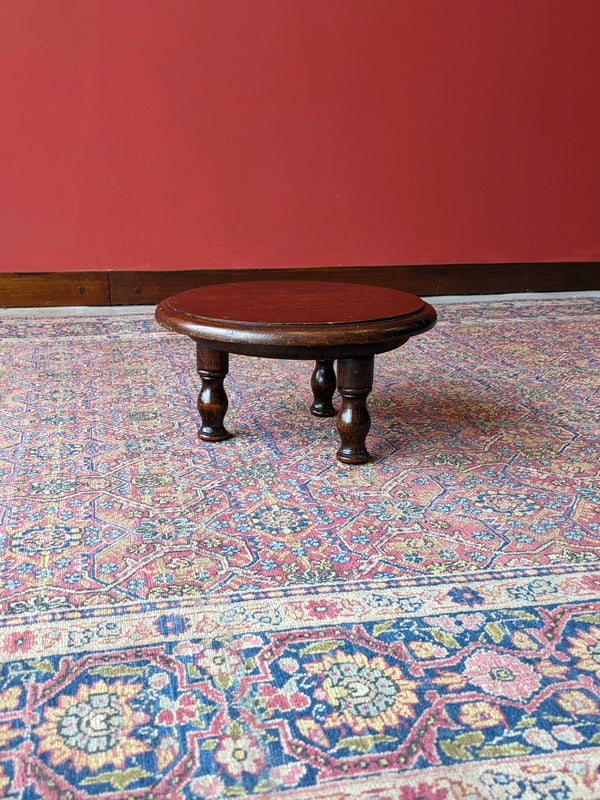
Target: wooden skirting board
{"points": [[116, 287]]}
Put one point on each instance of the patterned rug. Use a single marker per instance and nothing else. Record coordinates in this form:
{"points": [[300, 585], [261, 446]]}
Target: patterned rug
{"points": [[252, 619]]}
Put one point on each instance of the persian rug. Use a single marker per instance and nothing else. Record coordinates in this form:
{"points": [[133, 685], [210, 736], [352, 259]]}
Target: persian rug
{"points": [[249, 619]]}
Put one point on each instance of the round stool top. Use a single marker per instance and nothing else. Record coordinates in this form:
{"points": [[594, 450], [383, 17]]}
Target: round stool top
{"points": [[268, 317], [294, 303]]}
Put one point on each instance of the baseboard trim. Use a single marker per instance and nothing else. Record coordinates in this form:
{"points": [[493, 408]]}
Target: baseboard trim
{"points": [[103, 288], [27, 289]]}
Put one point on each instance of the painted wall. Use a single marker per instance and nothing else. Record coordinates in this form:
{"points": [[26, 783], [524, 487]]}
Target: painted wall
{"points": [[214, 133]]}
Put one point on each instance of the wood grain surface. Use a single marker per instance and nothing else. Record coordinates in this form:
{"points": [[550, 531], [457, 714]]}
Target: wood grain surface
{"points": [[25, 289]]}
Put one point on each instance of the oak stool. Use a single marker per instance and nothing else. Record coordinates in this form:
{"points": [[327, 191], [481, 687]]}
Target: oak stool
{"points": [[317, 320]]}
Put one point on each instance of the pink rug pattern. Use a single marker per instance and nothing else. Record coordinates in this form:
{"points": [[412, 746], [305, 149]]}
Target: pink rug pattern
{"points": [[251, 618]]}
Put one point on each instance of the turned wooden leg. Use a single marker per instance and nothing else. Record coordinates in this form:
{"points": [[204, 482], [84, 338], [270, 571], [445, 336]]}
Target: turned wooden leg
{"points": [[323, 385], [355, 381], [213, 366]]}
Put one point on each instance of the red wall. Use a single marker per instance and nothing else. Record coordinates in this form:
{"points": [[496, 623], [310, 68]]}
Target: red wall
{"points": [[211, 133]]}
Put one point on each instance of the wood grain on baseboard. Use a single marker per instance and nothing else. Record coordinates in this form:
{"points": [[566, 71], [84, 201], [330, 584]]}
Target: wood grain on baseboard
{"points": [[137, 287], [28, 289]]}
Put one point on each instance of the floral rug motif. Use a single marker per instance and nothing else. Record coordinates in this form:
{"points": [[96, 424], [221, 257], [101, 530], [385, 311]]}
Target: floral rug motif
{"points": [[250, 618]]}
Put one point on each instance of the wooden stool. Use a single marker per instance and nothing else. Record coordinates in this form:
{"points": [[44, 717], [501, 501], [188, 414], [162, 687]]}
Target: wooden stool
{"points": [[315, 320]]}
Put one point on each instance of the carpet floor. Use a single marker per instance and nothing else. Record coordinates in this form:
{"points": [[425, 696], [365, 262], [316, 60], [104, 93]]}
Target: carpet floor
{"points": [[185, 620]]}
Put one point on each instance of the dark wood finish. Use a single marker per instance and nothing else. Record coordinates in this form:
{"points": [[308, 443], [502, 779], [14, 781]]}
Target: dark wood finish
{"points": [[355, 381], [363, 320], [298, 320], [213, 366], [269, 304], [429, 279], [148, 287], [323, 383], [26, 290]]}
